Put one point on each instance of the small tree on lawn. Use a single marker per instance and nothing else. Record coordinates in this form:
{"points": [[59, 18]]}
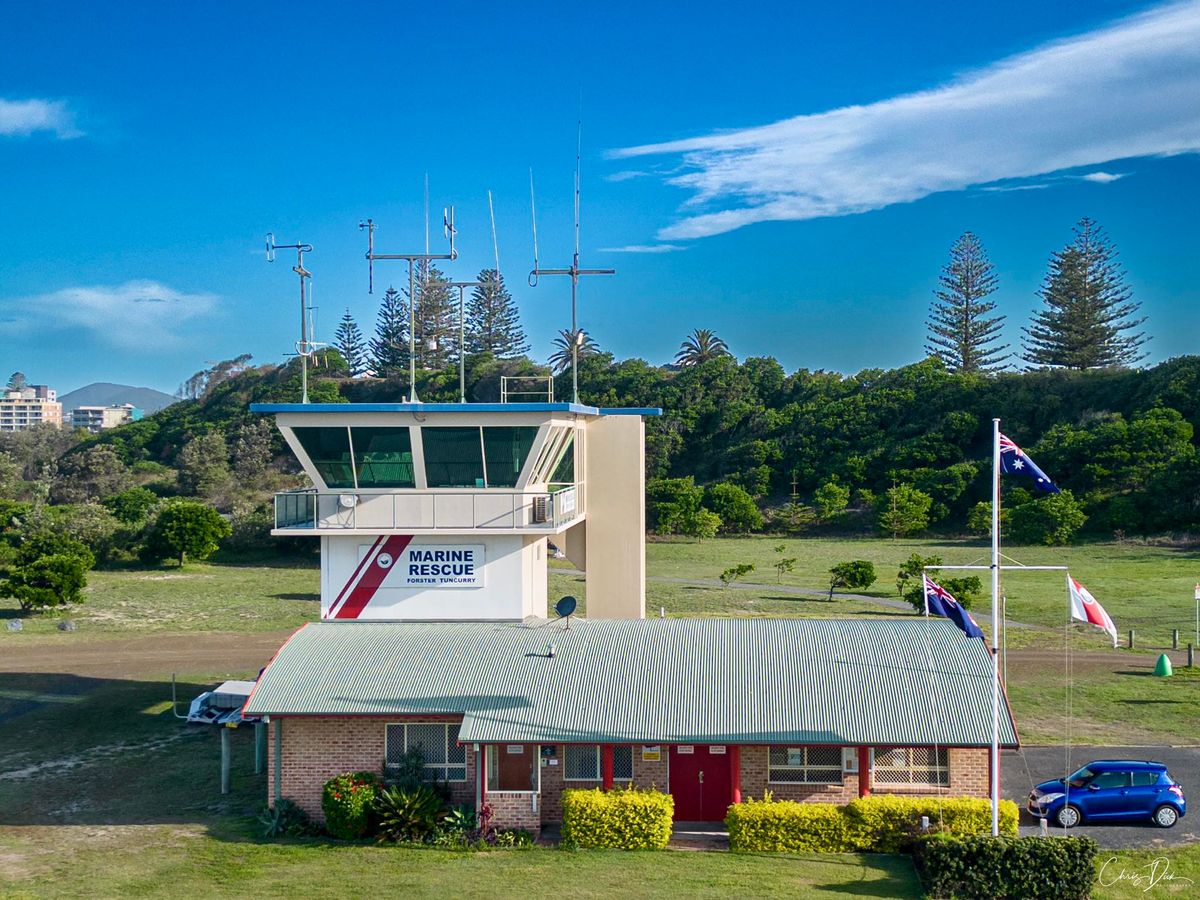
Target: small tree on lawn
{"points": [[903, 510], [735, 506], [1053, 519], [185, 529], [853, 575], [700, 523], [46, 582], [910, 582], [733, 573], [783, 564]]}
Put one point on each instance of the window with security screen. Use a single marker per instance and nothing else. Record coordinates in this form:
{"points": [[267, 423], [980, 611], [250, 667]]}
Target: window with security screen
{"points": [[622, 763], [582, 762], [443, 757], [912, 765], [805, 765]]}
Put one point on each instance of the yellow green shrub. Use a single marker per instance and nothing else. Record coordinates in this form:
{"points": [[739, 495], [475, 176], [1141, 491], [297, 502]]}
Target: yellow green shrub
{"points": [[620, 819], [886, 823], [762, 826], [882, 823]]}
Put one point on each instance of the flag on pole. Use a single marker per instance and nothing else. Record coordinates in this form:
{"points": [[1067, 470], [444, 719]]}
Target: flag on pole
{"points": [[1015, 461], [1085, 608], [939, 602]]}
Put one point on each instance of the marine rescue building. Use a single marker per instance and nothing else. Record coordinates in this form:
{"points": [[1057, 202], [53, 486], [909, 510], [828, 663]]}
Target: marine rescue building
{"points": [[434, 521]]}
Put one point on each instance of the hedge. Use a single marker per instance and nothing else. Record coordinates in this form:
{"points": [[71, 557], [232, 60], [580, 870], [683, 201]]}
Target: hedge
{"points": [[880, 824], [768, 825], [348, 802], [620, 819], [987, 867]]}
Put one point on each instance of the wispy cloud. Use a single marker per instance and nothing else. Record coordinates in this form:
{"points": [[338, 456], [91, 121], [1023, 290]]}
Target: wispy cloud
{"points": [[143, 315], [1103, 177], [1122, 91], [21, 118], [643, 248], [626, 175]]}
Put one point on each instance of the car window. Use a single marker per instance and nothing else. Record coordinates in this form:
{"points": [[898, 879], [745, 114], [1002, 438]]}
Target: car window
{"points": [[1111, 780], [1145, 779], [1080, 778]]}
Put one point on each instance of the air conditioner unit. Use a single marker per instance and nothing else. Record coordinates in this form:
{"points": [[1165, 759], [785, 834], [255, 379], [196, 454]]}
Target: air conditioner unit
{"points": [[541, 509]]}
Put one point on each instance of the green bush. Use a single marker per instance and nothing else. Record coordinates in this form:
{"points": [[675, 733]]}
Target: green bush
{"points": [[1026, 868], [854, 575], [1053, 519], [286, 819], [879, 824], [408, 813], [620, 819], [735, 506], [885, 823], [48, 581], [762, 826], [348, 802]]}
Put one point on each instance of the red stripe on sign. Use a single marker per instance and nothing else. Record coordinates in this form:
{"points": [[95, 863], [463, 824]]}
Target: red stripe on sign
{"points": [[368, 557], [373, 577]]}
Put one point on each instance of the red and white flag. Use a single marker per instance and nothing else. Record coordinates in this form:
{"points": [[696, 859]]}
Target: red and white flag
{"points": [[1085, 608]]}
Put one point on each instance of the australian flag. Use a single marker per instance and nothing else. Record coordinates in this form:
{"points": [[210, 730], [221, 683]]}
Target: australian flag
{"points": [[1015, 461], [939, 602]]}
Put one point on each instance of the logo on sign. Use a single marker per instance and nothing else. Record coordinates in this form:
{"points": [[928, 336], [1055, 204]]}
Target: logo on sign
{"points": [[384, 560]]}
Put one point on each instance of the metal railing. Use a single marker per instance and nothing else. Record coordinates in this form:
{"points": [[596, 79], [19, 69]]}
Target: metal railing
{"points": [[483, 510]]}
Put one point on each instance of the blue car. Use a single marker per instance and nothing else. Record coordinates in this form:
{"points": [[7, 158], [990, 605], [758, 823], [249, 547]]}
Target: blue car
{"points": [[1109, 790]]}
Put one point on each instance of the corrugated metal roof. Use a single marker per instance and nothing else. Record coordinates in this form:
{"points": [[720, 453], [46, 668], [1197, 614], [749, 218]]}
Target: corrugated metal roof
{"points": [[722, 681]]}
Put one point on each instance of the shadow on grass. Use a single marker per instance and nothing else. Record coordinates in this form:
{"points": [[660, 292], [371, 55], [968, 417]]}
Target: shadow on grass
{"points": [[101, 751], [314, 598]]}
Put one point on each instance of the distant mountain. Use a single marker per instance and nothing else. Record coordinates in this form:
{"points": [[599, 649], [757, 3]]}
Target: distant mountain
{"points": [[104, 394]]}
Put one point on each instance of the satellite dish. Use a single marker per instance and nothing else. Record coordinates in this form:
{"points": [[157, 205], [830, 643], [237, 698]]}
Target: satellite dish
{"points": [[565, 606], [348, 501]]}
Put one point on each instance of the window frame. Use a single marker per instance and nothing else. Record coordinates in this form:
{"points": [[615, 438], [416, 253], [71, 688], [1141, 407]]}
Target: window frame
{"points": [[938, 768], [806, 766], [599, 757], [492, 751], [444, 767]]}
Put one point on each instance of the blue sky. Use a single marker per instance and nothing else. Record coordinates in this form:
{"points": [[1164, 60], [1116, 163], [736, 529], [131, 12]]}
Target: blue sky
{"points": [[790, 175]]}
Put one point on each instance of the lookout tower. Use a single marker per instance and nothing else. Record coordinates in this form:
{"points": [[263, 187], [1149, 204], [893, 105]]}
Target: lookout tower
{"points": [[443, 511]]}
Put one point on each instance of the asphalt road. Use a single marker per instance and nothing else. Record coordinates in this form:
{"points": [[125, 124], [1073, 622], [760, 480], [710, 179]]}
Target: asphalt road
{"points": [[1021, 769]]}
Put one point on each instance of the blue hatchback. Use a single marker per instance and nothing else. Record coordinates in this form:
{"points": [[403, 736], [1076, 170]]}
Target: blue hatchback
{"points": [[1109, 790]]}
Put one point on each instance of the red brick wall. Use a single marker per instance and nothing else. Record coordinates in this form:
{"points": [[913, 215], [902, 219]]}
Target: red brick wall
{"points": [[316, 749], [516, 811], [554, 782], [649, 775], [755, 781]]}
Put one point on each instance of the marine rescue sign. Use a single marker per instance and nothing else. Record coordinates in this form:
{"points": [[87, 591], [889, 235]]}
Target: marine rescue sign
{"points": [[430, 566]]}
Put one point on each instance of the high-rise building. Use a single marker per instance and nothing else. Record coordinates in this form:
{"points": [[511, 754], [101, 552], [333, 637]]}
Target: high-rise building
{"points": [[29, 405]]}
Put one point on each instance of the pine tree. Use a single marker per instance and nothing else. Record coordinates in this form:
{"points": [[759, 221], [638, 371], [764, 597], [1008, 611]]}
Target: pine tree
{"points": [[436, 318], [493, 320], [961, 333], [350, 343], [389, 348], [1088, 315]]}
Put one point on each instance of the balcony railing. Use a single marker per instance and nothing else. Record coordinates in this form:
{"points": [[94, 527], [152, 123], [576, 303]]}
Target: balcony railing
{"points": [[452, 510]]}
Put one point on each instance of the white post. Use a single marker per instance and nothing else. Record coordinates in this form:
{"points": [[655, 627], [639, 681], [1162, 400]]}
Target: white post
{"points": [[995, 755]]}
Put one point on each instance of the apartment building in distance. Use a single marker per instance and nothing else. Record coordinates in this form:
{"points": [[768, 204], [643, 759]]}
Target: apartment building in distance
{"points": [[101, 418], [28, 405]]}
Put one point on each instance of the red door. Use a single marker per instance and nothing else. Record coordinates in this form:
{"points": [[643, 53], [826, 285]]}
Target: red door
{"points": [[701, 782]]}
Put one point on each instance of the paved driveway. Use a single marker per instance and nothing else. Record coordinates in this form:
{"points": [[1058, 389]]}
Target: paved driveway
{"points": [[1022, 769]]}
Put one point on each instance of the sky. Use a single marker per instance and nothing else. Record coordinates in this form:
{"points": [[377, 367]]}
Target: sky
{"points": [[789, 175]]}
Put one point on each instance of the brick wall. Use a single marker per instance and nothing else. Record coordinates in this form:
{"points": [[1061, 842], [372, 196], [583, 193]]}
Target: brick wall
{"points": [[554, 782], [755, 777], [516, 811], [648, 774], [316, 749], [969, 772]]}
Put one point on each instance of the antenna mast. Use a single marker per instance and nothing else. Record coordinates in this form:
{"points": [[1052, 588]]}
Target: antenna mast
{"points": [[574, 271], [411, 258], [305, 346]]}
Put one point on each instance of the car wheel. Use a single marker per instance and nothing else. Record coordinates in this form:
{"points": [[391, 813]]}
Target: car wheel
{"points": [[1166, 816], [1069, 816]]}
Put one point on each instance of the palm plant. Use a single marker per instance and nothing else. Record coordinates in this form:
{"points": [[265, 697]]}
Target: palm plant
{"points": [[700, 346], [560, 359]]}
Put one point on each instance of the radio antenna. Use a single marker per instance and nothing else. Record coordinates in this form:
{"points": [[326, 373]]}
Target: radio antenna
{"points": [[411, 258], [495, 242], [574, 271], [305, 346]]}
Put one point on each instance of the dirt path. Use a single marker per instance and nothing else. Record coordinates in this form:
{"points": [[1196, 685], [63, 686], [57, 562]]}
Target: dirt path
{"points": [[148, 656]]}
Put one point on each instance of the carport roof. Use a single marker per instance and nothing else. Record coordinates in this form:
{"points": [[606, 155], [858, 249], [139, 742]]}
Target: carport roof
{"points": [[719, 681]]}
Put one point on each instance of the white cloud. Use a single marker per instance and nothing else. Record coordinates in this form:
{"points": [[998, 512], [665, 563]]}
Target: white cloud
{"points": [[141, 315], [625, 176], [21, 118], [643, 248], [1126, 90], [1103, 177]]}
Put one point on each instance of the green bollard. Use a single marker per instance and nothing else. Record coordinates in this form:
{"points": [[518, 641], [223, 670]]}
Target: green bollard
{"points": [[1162, 668]]}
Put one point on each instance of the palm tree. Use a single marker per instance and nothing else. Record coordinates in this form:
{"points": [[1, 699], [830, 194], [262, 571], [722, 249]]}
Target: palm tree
{"points": [[701, 345], [560, 359]]}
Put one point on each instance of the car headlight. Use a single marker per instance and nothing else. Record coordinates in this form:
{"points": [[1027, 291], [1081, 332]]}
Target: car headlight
{"points": [[1046, 798]]}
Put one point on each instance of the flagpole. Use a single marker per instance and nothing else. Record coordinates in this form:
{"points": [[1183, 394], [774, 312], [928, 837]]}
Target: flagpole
{"points": [[995, 754]]}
